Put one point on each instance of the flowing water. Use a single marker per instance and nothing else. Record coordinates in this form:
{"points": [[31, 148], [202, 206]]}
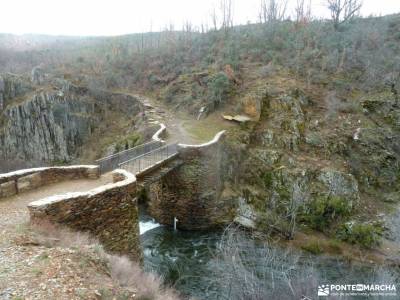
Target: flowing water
{"points": [[196, 264]]}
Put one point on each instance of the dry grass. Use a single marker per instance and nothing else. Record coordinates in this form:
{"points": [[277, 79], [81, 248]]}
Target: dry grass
{"points": [[49, 235], [127, 274], [145, 285]]}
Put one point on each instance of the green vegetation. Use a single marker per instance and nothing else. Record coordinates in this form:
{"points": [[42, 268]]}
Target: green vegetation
{"points": [[128, 142], [268, 179], [366, 235], [360, 54], [219, 88], [323, 211], [309, 85]]}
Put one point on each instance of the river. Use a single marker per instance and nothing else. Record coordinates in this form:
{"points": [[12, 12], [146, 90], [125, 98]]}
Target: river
{"points": [[232, 265]]}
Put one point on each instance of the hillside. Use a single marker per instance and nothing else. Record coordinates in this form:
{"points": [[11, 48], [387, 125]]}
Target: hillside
{"points": [[318, 163]]}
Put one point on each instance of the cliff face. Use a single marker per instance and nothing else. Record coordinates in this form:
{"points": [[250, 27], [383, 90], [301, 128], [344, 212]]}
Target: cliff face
{"points": [[53, 122], [11, 86], [46, 128]]}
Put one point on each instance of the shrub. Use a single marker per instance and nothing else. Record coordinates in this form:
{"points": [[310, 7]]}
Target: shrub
{"points": [[118, 147], [147, 285], [270, 222], [219, 88], [268, 179], [366, 235], [323, 210]]}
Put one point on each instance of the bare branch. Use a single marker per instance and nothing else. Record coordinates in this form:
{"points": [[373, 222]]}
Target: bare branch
{"points": [[303, 12], [272, 10], [343, 10]]}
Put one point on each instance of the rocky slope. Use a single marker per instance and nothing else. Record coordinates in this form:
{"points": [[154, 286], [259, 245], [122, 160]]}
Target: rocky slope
{"points": [[311, 159], [49, 120]]}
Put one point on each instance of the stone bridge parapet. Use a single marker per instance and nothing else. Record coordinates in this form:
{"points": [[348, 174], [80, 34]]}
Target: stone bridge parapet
{"points": [[108, 212], [28, 179]]}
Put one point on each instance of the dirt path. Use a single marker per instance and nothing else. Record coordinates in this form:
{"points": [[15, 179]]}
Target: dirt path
{"points": [[157, 112], [13, 210], [29, 270], [181, 127]]}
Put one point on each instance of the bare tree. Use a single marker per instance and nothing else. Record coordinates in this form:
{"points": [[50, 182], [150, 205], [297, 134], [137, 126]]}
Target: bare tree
{"points": [[214, 19], [188, 29], [246, 269], [222, 17], [303, 12], [203, 27], [343, 10], [272, 10], [226, 7]]}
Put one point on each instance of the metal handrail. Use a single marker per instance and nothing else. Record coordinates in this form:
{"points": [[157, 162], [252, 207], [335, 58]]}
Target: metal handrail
{"points": [[139, 163], [112, 161], [126, 150], [144, 154]]}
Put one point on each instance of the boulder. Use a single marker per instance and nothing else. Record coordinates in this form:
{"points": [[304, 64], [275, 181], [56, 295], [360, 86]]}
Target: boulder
{"points": [[339, 184], [245, 215]]}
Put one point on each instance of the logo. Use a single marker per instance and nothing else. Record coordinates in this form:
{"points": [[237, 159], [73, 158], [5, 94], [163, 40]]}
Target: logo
{"points": [[323, 290], [359, 289]]}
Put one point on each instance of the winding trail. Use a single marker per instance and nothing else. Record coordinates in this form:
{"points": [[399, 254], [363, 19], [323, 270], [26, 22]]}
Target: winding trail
{"points": [[158, 112], [181, 127]]}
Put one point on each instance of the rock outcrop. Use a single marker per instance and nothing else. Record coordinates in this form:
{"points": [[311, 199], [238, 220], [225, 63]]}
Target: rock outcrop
{"points": [[46, 128], [37, 76], [12, 86], [301, 159], [53, 123]]}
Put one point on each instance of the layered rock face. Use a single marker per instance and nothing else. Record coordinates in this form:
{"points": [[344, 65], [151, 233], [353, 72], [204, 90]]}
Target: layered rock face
{"points": [[52, 122], [46, 128], [11, 86]]}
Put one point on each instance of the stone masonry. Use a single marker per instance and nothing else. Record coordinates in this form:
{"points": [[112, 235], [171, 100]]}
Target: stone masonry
{"points": [[193, 191], [25, 180], [108, 213]]}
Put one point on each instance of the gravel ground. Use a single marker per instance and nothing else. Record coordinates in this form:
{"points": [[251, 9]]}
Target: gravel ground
{"points": [[31, 270]]}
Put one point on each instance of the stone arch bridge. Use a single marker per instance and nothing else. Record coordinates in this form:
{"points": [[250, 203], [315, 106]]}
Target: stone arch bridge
{"points": [[180, 180]]}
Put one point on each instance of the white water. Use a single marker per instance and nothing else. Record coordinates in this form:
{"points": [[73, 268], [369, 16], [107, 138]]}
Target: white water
{"points": [[145, 226]]}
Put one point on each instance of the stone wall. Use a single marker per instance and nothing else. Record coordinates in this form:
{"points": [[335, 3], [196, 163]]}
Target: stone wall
{"points": [[193, 191], [24, 180], [108, 212]]}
